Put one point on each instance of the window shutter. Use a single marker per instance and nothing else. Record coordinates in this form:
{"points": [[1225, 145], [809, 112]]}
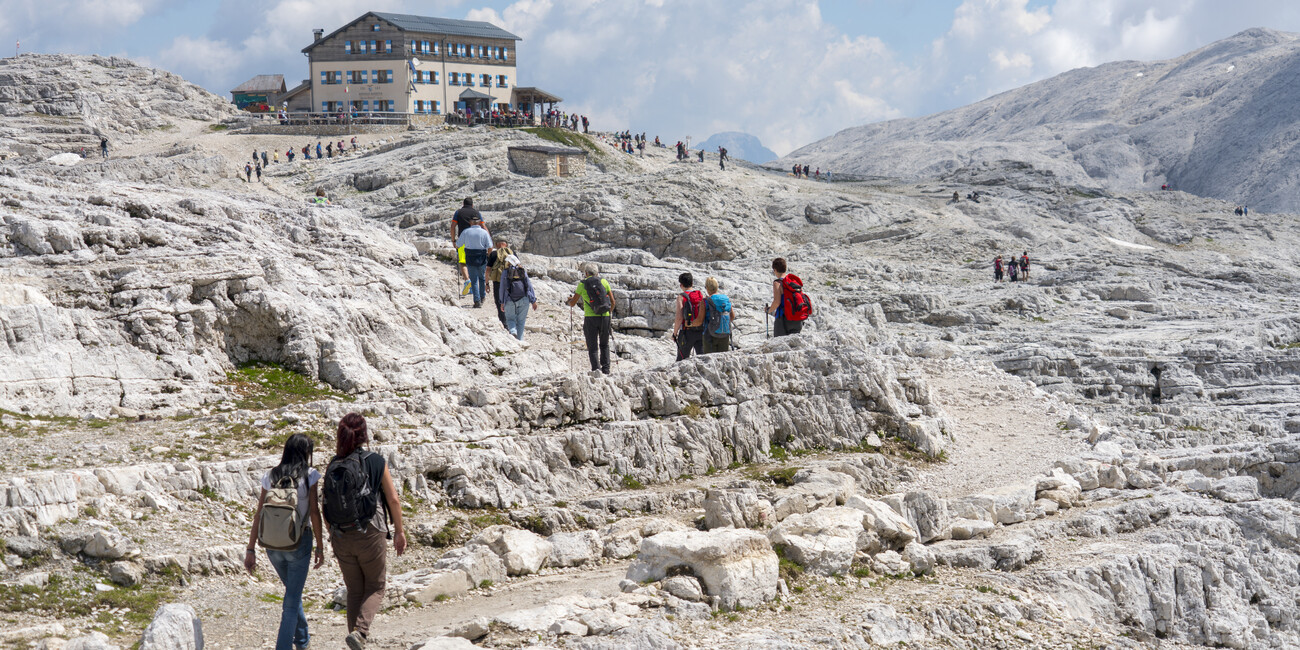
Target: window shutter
{"points": [[324, 78], [390, 77], [347, 47], [338, 77], [388, 47], [505, 53]]}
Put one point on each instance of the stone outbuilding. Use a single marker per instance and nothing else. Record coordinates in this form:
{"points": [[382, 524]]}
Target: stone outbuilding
{"points": [[540, 160]]}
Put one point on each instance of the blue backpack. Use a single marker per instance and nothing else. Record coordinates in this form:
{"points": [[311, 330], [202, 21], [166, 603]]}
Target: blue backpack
{"points": [[717, 316]]}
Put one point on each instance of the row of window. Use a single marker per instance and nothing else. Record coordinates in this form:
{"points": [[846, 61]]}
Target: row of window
{"points": [[358, 77], [490, 52], [368, 47], [359, 105]]}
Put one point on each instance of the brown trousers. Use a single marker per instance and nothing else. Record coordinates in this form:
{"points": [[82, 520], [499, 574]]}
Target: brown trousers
{"points": [[363, 560]]}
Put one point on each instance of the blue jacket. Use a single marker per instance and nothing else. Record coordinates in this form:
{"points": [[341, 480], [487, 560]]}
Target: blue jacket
{"points": [[721, 304]]}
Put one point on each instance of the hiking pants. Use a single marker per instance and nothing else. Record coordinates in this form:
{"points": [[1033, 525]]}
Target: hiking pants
{"points": [[690, 340], [292, 568], [716, 344], [477, 278], [516, 315], [596, 329], [363, 561], [783, 327], [496, 300]]}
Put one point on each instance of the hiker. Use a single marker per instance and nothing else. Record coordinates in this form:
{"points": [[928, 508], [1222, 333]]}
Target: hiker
{"points": [[359, 501], [289, 155], [790, 305], [318, 156], [818, 174], [688, 321], [329, 149], [701, 155], [306, 153], [796, 171], [1237, 211], [286, 524], [717, 319], [258, 168], [275, 157], [516, 295], [460, 222], [597, 307], [1245, 210], [1024, 265], [476, 243], [955, 197], [805, 171], [828, 176], [496, 265], [722, 158], [103, 147], [354, 142], [640, 147], [248, 172], [997, 269], [320, 198], [264, 159], [1013, 269]]}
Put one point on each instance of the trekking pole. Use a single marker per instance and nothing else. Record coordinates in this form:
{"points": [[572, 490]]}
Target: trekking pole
{"points": [[570, 340], [767, 327]]}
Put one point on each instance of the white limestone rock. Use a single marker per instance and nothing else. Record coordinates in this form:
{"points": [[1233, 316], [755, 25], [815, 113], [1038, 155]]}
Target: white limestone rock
{"points": [[824, 541], [522, 551], [574, 549], [174, 627], [737, 566], [741, 508]]}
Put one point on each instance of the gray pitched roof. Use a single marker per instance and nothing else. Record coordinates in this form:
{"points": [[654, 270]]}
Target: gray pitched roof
{"points": [[446, 26], [262, 83], [428, 25]]}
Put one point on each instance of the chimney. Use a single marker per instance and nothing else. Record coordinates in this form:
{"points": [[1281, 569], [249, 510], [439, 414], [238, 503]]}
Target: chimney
{"points": [[317, 34]]}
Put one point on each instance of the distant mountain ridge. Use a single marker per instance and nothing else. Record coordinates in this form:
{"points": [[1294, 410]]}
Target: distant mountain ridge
{"points": [[739, 145], [1218, 122]]}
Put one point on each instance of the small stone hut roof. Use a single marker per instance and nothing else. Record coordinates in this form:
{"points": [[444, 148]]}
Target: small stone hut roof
{"points": [[557, 151]]}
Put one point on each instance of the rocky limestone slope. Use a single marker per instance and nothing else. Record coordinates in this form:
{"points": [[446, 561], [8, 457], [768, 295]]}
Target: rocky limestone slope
{"points": [[1212, 122], [1102, 456]]}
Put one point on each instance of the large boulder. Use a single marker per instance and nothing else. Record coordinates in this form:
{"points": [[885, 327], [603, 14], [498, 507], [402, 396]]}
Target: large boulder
{"points": [[522, 551], [889, 527], [575, 549], [741, 508], [823, 541], [174, 627], [823, 487], [738, 567], [478, 562]]}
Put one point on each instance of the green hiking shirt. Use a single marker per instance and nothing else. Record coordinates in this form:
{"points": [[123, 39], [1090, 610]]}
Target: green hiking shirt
{"points": [[586, 304]]}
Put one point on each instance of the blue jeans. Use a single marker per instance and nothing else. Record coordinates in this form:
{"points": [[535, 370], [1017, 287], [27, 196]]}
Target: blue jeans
{"points": [[516, 315], [477, 282], [292, 568]]}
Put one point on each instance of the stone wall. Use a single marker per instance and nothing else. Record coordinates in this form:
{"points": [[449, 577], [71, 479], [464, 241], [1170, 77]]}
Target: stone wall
{"points": [[536, 163], [415, 121]]}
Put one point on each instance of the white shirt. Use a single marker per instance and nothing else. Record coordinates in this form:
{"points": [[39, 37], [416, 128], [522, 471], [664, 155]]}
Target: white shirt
{"points": [[313, 477]]}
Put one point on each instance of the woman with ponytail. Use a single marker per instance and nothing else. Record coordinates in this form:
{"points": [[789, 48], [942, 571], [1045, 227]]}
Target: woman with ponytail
{"points": [[292, 502], [360, 501]]}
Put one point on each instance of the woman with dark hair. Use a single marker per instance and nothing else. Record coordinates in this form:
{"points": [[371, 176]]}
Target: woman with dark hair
{"points": [[359, 502], [294, 471]]}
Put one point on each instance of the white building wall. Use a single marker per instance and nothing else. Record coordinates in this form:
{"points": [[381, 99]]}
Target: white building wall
{"points": [[399, 91]]}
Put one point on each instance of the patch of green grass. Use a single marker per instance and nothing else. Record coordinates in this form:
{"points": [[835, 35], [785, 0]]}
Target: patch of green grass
{"points": [[693, 410], [271, 598], [208, 493], [778, 453], [630, 483], [567, 138], [536, 524], [784, 476], [61, 598], [790, 571], [264, 386], [490, 518], [485, 584], [448, 535], [218, 127], [441, 598]]}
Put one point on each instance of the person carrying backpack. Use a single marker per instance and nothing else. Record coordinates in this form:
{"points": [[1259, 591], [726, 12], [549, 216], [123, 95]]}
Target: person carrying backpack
{"points": [[717, 319], [516, 294], [997, 269], [248, 172], [496, 266], [460, 222], [790, 305], [358, 501], [285, 524], [597, 309], [1024, 265], [688, 321], [1013, 269], [476, 242]]}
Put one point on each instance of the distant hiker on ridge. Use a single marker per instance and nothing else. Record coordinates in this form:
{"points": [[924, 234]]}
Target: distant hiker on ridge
{"points": [[722, 158], [1024, 265], [997, 269], [103, 147]]}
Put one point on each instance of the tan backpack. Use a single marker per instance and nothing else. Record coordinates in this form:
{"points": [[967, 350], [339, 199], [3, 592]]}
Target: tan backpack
{"points": [[280, 526]]}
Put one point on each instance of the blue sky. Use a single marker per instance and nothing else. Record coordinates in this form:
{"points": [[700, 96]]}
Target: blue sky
{"points": [[787, 71]]}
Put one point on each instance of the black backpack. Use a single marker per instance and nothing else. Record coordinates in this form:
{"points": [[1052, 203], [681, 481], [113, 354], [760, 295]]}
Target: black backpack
{"points": [[597, 297], [349, 500], [516, 283]]}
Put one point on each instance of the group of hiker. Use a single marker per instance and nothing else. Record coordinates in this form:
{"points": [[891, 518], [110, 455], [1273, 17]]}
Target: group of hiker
{"points": [[1242, 211], [802, 170], [558, 118], [356, 501], [630, 143], [1016, 270], [701, 323], [263, 159], [683, 153]]}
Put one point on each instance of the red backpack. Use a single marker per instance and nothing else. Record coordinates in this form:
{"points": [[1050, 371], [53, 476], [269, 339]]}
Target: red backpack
{"points": [[692, 315], [795, 304]]}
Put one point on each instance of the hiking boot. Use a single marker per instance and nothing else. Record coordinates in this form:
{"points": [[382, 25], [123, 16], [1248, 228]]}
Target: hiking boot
{"points": [[464, 290], [355, 641], [477, 304]]}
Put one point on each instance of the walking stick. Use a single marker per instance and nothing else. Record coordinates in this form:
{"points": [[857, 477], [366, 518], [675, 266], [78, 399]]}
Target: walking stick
{"points": [[767, 327], [570, 339]]}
